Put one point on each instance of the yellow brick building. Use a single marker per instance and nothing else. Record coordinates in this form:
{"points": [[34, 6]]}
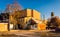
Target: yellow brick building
{"points": [[24, 16], [27, 14]]}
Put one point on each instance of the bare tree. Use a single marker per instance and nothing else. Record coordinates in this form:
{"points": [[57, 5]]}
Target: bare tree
{"points": [[53, 23]]}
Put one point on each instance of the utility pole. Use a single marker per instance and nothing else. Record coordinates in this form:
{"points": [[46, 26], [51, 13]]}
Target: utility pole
{"points": [[9, 22]]}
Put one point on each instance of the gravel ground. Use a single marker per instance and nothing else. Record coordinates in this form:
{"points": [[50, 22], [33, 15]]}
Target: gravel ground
{"points": [[27, 33]]}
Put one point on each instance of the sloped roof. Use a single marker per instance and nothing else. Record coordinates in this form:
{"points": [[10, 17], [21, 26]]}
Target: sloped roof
{"points": [[32, 20]]}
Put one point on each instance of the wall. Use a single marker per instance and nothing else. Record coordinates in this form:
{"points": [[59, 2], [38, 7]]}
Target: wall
{"points": [[36, 15], [28, 12], [3, 27]]}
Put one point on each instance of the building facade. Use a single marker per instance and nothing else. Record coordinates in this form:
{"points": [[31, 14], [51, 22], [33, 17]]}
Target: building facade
{"points": [[26, 15], [26, 19]]}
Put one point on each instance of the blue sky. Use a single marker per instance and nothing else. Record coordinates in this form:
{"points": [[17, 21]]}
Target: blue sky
{"points": [[45, 7]]}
